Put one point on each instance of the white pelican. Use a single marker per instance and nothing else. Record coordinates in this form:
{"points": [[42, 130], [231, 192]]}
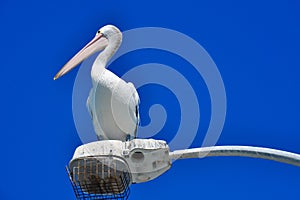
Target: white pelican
{"points": [[112, 103]]}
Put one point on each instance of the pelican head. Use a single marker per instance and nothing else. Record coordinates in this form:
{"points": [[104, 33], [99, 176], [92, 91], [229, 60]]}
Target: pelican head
{"points": [[98, 43]]}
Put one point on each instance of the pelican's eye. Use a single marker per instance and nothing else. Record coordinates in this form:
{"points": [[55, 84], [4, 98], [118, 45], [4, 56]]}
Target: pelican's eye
{"points": [[98, 32]]}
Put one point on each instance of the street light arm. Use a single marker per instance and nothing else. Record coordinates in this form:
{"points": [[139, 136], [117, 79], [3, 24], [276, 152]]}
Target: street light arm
{"points": [[242, 151]]}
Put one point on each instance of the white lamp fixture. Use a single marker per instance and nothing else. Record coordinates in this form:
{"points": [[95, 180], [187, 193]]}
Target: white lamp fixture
{"points": [[106, 169]]}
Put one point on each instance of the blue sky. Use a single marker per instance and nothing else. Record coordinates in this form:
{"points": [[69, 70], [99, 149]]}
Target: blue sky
{"points": [[255, 45]]}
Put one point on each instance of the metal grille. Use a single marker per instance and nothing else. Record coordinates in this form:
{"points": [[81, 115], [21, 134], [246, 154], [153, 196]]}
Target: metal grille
{"points": [[100, 178]]}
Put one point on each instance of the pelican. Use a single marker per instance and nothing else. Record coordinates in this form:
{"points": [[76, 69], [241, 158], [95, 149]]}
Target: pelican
{"points": [[112, 103]]}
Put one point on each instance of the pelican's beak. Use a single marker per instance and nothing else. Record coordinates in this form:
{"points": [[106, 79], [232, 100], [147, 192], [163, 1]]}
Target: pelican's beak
{"points": [[97, 44]]}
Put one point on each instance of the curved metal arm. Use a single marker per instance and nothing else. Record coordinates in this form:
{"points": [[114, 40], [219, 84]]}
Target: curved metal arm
{"points": [[243, 151]]}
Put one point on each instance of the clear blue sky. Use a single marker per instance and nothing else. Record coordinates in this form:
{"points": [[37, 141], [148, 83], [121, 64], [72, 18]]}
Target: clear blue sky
{"points": [[255, 45]]}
